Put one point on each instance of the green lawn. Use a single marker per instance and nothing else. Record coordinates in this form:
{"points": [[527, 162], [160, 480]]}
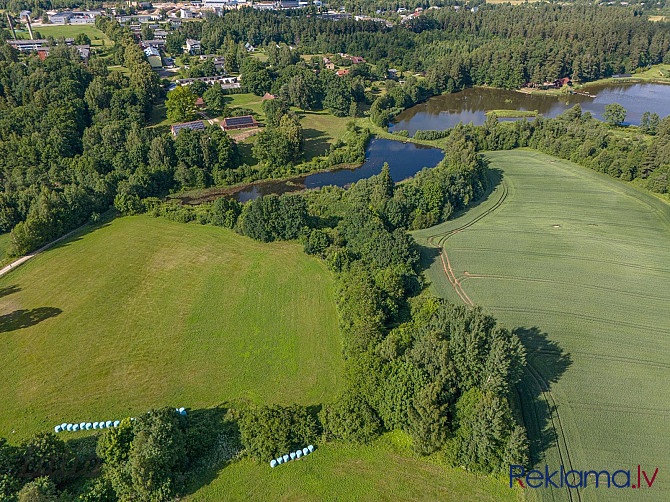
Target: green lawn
{"points": [[378, 472], [145, 312], [246, 100], [97, 37], [321, 129], [577, 262]]}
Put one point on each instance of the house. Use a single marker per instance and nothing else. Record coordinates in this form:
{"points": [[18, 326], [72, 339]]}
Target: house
{"points": [[235, 123], [84, 52], [341, 73], [155, 62], [138, 18], [200, 103], [160, 34], [155, 43], [266, 5], [249, 47], [151, 51], [393, 73], [192, 46], [186, 14], [219, 62], [24, 15], [196, 125], [353, 59], [330, 66], [563, 81], [267, 96]]}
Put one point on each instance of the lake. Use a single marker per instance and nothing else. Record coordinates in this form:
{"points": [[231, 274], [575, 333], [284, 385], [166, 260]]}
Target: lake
{"points": [[404, 159], [447, 110]]}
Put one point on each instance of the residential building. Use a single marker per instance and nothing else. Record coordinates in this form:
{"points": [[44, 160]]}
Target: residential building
{"points": [[156, 43], [152, 51], [192, 46], [235, 123], [196, 125]]}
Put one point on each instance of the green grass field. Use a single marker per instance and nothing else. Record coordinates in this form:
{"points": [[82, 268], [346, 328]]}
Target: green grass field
{"points": [[145, 313], [321, 129], [379, 472], [98, 38], [577, 262], [4, 244]]}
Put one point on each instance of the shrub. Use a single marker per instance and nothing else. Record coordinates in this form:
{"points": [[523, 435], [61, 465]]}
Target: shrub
{"points": [[269, 431]]}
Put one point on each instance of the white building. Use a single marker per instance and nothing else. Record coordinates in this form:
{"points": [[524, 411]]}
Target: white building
{"points": [[192, 46]]}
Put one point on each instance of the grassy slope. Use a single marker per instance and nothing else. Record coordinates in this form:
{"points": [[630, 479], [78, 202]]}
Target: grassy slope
{"points": [[378, 472], [592, 299], [156, 313], [4, 243]]}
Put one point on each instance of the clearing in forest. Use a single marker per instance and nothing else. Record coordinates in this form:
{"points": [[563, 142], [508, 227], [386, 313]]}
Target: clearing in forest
{"points": [[145, 312]]}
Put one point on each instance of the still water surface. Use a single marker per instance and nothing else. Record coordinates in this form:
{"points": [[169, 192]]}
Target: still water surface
{"points": [[445, 111], [404, 159]]}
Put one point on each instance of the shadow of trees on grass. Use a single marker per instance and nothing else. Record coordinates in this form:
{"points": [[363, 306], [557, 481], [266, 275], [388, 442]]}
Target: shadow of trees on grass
{"points": [[25, 318], [546, 363], [9, 290]]}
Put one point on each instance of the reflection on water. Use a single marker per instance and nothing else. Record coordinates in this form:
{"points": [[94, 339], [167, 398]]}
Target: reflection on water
{"points": [[445, 111], [404, 159]]}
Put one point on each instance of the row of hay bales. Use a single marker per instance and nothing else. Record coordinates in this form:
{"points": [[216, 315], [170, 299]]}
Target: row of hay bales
{"points": [[291, 456], [85, 426]]}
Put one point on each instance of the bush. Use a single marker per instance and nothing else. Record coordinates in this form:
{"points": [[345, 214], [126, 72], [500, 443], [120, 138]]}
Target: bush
{"points": [[270, 431], [350, 418]]}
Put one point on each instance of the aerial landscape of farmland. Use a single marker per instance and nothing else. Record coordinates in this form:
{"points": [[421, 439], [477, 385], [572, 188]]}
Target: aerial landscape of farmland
{"points": [[335, 251]]}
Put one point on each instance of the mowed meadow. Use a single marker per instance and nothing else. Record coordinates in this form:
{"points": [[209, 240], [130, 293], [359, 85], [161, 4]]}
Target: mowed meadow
{"points": [[579, 265], [144, 312], [384, 470]]}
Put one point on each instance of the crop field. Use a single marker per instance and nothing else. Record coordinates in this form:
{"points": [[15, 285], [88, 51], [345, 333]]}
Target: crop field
{"points": [[577, 263], [382, 471], [145, 312]]}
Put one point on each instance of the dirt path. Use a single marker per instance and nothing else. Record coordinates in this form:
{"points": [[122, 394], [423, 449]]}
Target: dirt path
{"points": [[439, 241]]}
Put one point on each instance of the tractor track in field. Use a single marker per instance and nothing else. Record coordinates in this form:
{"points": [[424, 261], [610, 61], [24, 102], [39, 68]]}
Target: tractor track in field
{"points": [[467, 275], [618, 359], [439, 241], [557, 427], [583, 317], [568, 257]]}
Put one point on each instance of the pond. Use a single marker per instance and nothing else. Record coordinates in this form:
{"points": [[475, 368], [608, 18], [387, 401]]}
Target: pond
{"points": [[404, 159], [445, 111]]}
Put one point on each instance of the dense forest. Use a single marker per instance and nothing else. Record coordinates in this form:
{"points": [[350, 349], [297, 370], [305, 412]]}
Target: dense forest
{"points": [[502, 46]]}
